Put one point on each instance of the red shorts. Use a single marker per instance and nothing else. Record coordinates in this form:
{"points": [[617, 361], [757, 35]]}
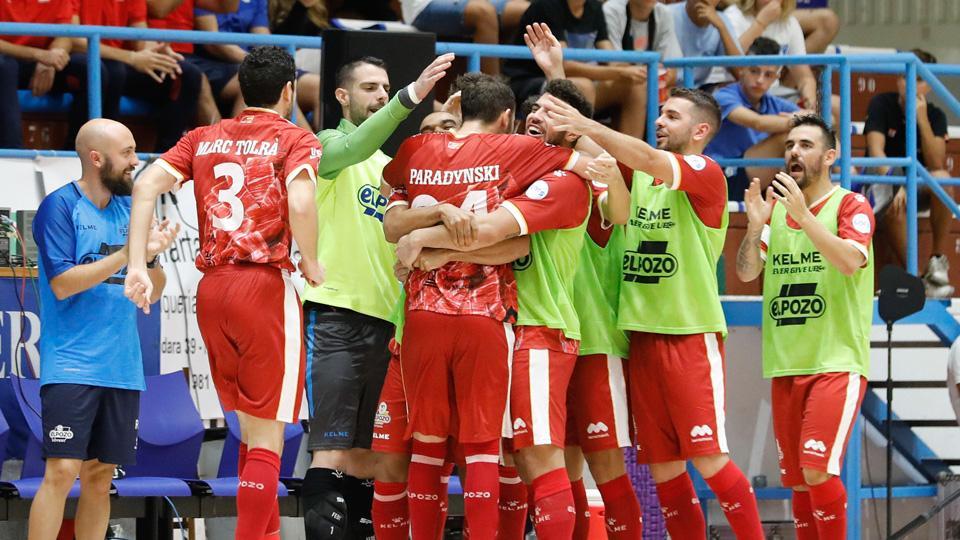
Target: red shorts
{"points": [[676, 387], [598, 415], [538, 397], [390, 422], [251, 322], [456, 364], [812, 419]]}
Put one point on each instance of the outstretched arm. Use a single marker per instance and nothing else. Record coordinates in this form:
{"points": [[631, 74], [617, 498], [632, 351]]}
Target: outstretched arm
{"points": [[500, 253], [491, 229]]}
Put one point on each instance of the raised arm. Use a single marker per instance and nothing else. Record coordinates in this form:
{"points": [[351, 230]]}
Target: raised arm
{"points": [[749, 257], [138, 286]]}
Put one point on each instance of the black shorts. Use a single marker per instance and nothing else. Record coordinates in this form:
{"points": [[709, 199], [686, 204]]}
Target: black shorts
{"points": [[347, 361], [90, 422]]}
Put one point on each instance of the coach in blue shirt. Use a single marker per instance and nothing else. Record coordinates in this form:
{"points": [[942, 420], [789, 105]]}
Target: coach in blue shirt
{"points": [[91, 373], [754, 122]]}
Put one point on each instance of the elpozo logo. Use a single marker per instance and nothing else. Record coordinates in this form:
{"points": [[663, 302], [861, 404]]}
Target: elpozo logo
{"points": [[649, 263], [371, 201], [797, 303], [60, 434]]}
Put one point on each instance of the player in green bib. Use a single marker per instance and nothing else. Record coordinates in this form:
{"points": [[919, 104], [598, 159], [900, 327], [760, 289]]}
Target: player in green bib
{"points": [[347, 317], [670, 305], [812, 242]]}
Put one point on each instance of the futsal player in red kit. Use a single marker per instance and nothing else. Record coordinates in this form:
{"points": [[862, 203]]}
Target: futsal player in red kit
{"points": [[458, 336], [254, 180]]}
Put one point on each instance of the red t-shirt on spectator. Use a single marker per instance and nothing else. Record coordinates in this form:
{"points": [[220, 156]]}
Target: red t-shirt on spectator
{"points": [[178, 19], [35, 11], [111, 13]]}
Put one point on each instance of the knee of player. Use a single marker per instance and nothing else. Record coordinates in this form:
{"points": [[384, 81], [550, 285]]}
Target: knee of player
{"points": [[391, 467], [97, 476], [61, 473], [813, 477], [606, 463], [710, 465]]}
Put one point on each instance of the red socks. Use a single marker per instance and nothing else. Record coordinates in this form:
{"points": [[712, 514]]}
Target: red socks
{"points": [[803, 516], [624, 519], [554, 516], [581, 529], [736, 498], [444, 495], [482, 490], [257, 494], [681, 508], [423, 488], [513, 505], [829, 502], [391, 519]]}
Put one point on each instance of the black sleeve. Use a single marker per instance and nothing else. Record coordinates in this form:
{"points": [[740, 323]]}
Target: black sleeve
{"points": [[938, 121], [600, 23], [878, 115]]}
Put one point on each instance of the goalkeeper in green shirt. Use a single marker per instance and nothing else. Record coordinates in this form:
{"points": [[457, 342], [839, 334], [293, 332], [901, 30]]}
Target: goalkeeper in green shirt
{"points": [[347, 318]]}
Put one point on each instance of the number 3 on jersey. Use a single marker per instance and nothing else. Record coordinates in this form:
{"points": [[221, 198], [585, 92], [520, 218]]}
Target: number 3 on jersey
{"points": [[234, 173], [473, 201]]}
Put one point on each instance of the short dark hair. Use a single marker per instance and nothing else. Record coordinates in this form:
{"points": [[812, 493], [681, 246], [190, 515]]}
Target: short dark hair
{"points": [[924, 56], [345, 73], [527, 106], [483, 97], [704, 103], [263, 74], [764, 46], [828, 134], [567, 92]]}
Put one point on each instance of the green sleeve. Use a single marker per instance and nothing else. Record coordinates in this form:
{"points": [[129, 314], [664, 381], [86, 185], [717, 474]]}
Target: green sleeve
{"points": [[342, 150]]}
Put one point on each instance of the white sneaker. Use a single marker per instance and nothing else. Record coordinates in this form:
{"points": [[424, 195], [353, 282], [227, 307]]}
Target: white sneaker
{"points": [[938, 270]]}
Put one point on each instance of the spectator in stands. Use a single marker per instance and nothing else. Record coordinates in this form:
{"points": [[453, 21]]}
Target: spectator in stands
{"points": [[178, 15], [480, 18], [702, 31], [439, 122], [91, 373], [775, 19], [616, 88], [250, 17], [298, 17], [819, 26], [885, 129], [143, 69], [40, 64], [754, 121], [643, 25]]}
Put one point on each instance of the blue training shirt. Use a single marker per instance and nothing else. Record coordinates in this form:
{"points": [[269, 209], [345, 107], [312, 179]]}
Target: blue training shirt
{"points": [[733, 139], [91, 337], [250, 14]]}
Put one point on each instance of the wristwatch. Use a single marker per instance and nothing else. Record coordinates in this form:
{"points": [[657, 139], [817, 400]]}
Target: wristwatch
{"points": [[155, 262]]}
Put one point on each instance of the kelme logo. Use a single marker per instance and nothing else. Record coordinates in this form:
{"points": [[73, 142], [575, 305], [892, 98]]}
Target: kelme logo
{"points": [[649, 263], [371, 201], [797, 303]]}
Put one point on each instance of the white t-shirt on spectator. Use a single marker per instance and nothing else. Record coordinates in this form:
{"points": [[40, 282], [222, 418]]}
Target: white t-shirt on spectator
{"points": [[953, 377], [411, 8], [665, 42], [786, 32]]}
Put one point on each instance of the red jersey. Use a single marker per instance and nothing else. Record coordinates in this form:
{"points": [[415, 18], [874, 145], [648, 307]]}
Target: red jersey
{"points": [[473, 173], [241, 168], [855, 222], [180, 18], [35, 11], [111, 13]]}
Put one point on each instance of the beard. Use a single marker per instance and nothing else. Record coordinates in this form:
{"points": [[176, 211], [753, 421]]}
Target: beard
{"points": [[116, 180], [359, 114]]}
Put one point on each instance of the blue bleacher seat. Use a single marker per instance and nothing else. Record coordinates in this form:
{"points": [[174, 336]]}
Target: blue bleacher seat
{"points": [[60, 103], [171, 433]]}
